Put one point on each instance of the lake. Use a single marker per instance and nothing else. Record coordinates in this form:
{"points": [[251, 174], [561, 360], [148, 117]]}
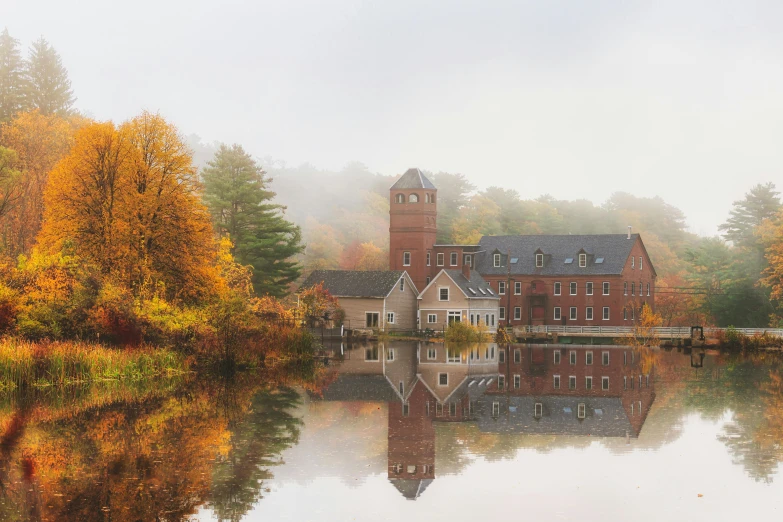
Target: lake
{"points": [[411, 431]]}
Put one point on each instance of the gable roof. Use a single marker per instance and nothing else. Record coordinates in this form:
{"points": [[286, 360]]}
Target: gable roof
{"points": [[365, 388], [413, 179], [471, 288], [354, 283], [612, 249]]}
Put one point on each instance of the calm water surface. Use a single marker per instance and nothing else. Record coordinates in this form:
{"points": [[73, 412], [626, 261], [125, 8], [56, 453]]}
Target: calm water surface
{"points": [[410, 431]]}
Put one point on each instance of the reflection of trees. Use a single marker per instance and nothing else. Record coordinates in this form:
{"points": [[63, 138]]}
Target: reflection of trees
{"points": [[261, 435]]}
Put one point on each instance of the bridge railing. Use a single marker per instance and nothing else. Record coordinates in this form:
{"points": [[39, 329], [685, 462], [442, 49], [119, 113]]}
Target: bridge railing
{"points": [[664, 331]]}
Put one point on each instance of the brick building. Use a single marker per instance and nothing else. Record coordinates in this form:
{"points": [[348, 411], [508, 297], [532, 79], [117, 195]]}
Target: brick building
{"points": [[574, 280]]}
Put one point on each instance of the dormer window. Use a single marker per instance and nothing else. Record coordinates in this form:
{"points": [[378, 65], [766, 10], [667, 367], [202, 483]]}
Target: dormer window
{"points": [[582, 260], [399, 198], [413, 198], [539, 260], [496, 260]]}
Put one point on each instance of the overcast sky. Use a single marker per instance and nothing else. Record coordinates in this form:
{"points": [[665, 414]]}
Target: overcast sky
{"points": [[578, 98]]}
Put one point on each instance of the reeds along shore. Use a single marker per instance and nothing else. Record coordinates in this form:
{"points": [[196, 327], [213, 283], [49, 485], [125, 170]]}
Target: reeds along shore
{"points": [[30, 364]]}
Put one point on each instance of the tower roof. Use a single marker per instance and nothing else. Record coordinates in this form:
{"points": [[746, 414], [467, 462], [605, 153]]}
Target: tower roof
{"points": [[413, 179]]}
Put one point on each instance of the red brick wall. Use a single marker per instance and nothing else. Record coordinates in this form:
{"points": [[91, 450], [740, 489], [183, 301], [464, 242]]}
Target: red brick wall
{"points": [[412, 437]]}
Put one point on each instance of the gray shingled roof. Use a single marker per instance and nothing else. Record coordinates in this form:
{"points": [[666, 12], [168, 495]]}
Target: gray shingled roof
{"points": [[365, 388], [605, 416], [413, 179], [613, 248], [476, 283], [354, 283], [411, 488]]}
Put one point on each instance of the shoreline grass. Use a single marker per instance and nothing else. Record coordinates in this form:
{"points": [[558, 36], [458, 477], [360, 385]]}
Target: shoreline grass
{"points": [[43, 364]]}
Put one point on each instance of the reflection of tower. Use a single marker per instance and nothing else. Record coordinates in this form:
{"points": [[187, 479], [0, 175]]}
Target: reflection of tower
{"points": [[412, 225], [412, 442]]}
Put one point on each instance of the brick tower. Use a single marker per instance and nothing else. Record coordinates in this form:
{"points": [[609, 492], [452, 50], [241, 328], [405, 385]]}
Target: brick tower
{"points": [[412, 226]]}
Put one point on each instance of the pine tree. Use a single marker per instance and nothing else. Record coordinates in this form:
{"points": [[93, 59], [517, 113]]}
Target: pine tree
{"points": [[12, 90], [48, 86], [762, 202], [237, 195]]}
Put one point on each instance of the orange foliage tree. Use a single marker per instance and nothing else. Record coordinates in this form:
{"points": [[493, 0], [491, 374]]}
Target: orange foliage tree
{"points": [[364, 256]]}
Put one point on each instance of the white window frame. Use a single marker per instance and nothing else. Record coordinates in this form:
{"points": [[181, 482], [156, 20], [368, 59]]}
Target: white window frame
{"points": [[558, 288], [572, 382], [440, 258], [441, 374], [588, 382], [538, 410], [539, 260], [572, 357], [633, 263], [496, 260], [517, 313], [495, 409], [557, 314], [440, 293], [432, 318], [517, 356], [572, 313], [389, 317], [517, 287], [517, 381], [589, 313], [557, 357], [453, 259], [452, 409], [432, 354], [589, 288], [589, 358], [581, 410], [606, 313], [429, 257], [572, 288], [467, 259], [406, 258], [375, 313], [606, 287], [502, 356], [640, 262], [605, 383], [582, 260], [648, 289], [501, 382], [502, 313], [625, 287], [501, 288], [399, 198], [605, 358], [556, 382]]}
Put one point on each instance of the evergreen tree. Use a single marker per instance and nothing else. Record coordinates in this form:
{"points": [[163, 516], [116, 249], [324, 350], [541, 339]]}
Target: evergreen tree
{"points": [[48, 86], [762, 202], [237, 196], [12, 89]]}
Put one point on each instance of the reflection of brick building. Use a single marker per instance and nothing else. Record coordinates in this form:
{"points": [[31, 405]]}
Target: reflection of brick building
{"points": [[597, 280], [411, 452]]}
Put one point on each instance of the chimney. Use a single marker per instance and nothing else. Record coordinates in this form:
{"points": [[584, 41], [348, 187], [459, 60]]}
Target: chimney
{"points": [[629, 231], [466, 270]]}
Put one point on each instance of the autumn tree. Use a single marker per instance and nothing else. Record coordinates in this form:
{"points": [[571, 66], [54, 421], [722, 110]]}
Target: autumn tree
{"points": [[48, 88], [12, 86], [236, 192], [364, 256], [128, 199], [9, 179], [454, 192]]}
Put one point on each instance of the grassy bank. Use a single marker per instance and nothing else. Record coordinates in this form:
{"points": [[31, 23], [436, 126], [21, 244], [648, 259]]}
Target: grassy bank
{"points": [[31, 364]]}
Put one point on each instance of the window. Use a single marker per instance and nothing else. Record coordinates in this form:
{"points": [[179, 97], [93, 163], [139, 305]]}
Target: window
{"points": [[606, 287], [604, 383], [572, 357], [406, 259], [402, 284], [625, 288], [606, 313], [399, 198], [589, 288], [443, 379], [452, 409], [429, 198], [573, 288], [413, 198], [557, 287], [582, 260], [518, 288], [538, 410], [588, 383], [633, 314], [371, 319], [443, 294], [401, 386], [432, 318], [438, 410], [640, 262], [390, 317], [429, 279], [633, 264], [502, 356], [580, 410], [633, 288], [440, 258], [453, 259], [539, 260], [454, 317], [517, 313], [557, 313], [572, 382], [557, 356], [405, 408], [588, 358], [572, 313], [625, 314], [467, 260], [429, 257], [371, 354], [495, 409], [517, 356], [502, 287], [432, 353], [605, 358], [556, 382], [501, 382], [517, 381], [502, 313], [589, 313], [648, 289], [496, 260]]}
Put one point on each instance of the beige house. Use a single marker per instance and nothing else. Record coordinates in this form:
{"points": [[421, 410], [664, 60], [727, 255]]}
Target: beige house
{"points": [[455, 296], [381, 300]]}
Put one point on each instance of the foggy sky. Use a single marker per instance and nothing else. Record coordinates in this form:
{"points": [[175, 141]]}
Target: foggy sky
{"points": [[577, 98]]}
